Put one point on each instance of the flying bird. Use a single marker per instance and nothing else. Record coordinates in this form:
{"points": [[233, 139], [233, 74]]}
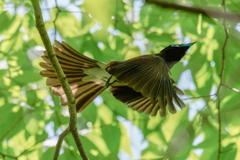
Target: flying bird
{"points": [[142, 83]]}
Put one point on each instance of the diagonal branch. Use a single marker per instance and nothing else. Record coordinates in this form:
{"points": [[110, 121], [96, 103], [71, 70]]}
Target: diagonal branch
{"points": [[6, 155], [233, 89], [205, 11], [61, 76], [14, 125], [59, 143]]}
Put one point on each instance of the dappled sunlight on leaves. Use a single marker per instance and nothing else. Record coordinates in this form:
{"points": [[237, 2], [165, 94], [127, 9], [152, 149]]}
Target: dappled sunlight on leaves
{"points": [[107, 30]]}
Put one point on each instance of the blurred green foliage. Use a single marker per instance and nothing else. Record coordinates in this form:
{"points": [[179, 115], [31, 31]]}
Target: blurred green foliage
{"points": [[31, 118]]}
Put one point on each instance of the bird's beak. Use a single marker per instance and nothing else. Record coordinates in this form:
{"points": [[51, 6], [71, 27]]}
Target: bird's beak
{"points": [[188, 45]]}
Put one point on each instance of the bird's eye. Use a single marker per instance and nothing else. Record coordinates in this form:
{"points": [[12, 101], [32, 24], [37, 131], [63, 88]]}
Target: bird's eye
{"points": [[175, 45]]}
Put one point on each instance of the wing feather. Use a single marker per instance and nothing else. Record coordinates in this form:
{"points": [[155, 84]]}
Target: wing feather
{"points": [[148, 75], [149, 87], [143, 80], [155, 109], [137, 77]]}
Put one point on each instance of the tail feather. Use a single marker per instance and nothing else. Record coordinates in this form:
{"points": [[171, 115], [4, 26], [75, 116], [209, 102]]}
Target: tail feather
{"points": [[72, 63], [46, 66], [58, 91], [71, 52], [54, 82], [86, 98], [84, 94]]}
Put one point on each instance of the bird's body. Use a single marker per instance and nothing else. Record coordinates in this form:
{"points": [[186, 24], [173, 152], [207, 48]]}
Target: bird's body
{"points": [[142, 83]]}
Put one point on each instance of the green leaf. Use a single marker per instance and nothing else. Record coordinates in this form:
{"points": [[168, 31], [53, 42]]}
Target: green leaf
{"points": [[112, 135]]}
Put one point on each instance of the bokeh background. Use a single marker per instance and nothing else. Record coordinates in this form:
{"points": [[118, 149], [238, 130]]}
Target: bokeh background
{"points": [[32, 119]]}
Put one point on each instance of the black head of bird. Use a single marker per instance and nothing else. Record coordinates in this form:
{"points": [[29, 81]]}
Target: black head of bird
{"points": [[174, 53], [143, 83]]}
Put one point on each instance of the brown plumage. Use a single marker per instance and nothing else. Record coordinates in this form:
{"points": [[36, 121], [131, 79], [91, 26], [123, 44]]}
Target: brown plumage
{"points": [[142, 83], [148, 76], [72, 63]]}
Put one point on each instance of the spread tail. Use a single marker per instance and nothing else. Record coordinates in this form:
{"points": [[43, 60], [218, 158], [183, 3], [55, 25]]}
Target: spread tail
{"points": [[76, 68]]}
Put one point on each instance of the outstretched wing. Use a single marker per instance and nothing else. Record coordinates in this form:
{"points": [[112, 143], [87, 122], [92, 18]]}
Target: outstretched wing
{"points": [[149, 75]]}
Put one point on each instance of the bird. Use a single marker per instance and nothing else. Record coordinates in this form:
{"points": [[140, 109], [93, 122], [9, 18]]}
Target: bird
{"points": [[142, 83]]}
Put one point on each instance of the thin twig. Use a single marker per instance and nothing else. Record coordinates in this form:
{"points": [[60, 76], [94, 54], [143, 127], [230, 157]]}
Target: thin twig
{"points": [[58, 120], [116, 15], [59, 143], [221, 83], [6, 155], [233, 89], [205, 11], [14, 125], [55, 20], [200, 97], [32, 147], [127, 21], [61, 76]]}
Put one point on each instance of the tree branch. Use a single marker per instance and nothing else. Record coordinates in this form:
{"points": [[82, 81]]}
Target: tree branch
{"points": [[233, 89], [221, 83], [14, 125], [62, 78], [59, 143], [6, 155], [199, 97], [205, 11]]}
